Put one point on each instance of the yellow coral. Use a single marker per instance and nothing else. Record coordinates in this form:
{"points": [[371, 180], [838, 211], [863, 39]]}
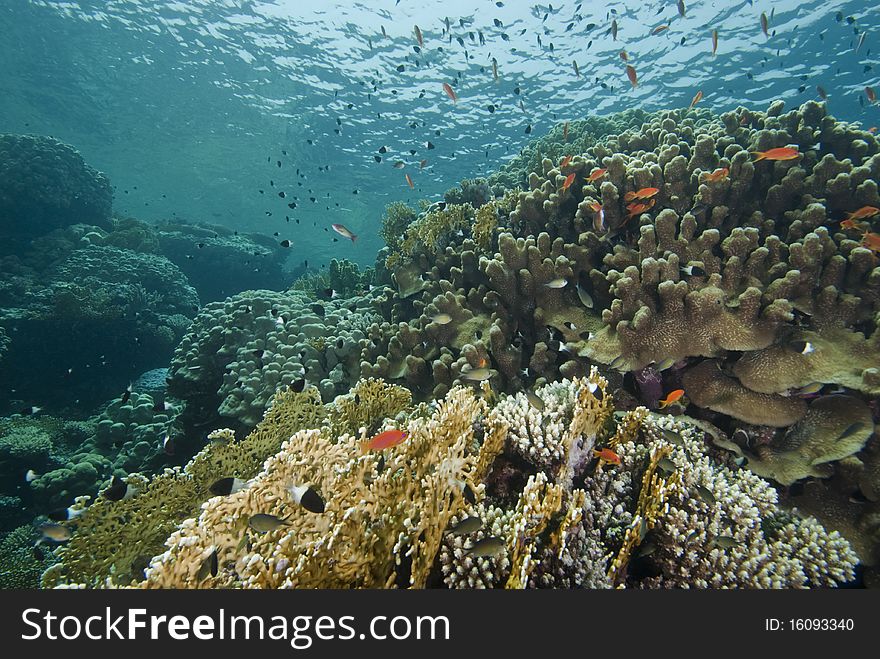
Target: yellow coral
{"points": [[539, 501], [485, 223], [374, 519], [369, 401]]}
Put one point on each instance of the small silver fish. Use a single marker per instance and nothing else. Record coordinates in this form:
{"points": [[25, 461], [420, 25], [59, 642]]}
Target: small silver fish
{"points": [[467, 525], [442, 318], [672, 437], [477, 374], [724, 542], [812, 388], [263, 523], [584, 297], [618, 362], [55, 532], [487, 547], [559, 282], [666, 465], [705, 495], [536, 401], [31, 476]]}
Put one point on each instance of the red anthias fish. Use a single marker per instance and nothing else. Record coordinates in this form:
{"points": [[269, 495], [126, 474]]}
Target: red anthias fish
{"points": [[383, 440], [342, 231]]}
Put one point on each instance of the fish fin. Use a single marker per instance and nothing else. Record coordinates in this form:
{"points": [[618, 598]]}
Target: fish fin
{"points": [[353, 237]]}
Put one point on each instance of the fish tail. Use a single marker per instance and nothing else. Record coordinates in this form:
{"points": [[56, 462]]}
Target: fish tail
{"points": [[759, 155], [353, 237]]}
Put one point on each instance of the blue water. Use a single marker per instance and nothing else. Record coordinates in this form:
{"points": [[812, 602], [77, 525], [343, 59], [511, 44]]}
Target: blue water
{"points": [[187, 106]]}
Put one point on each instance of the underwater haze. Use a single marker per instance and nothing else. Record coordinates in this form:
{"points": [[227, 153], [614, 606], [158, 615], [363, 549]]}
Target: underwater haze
{"points": [[439, 294]]}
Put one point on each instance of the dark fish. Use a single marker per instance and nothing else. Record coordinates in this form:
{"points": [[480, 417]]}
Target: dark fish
{"points": [[307, 498], [487, 547], [705, 495], [285, 243], [208, 567], [298, 385], [467, 525], [118, 490], [852, 429], [126, 395], [226, 486]]}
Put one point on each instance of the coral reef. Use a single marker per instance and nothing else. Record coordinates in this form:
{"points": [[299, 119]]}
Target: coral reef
{"points": [[655, 507], [238, 352], [45, 184]]}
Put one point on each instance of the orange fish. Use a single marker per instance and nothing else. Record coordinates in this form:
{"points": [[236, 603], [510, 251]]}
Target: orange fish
{"points": [[384, 440], [568, 181], [871, 241], [782, 153], [659, 29], [671, 398], [599, 217], [696, 100], [863, 212], [872, 129], [872, 96], [409, 181], [718, 175], [638, 208], [450, 92], [765, 25], [596, 174], [714, 41], [644, 193], [565, 162], [854, 226], [607, 455], [565, 132], [624, 56], [631, 74]]}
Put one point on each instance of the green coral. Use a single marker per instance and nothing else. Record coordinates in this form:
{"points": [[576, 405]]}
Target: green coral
{"points": [[20, 564], [398, 216], [434, 229]]}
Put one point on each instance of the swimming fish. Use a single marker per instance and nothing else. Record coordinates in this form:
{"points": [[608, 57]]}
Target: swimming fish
{"points": [[385, 439], [781, 153], [714, 41], [614, 29], [118, 490], [643, 193], [535, 400], [671, 398], [681, 8], [450, 92], [659, 29], [31, 476], [495, 69], [693, 271], [863, 213], [342, 231], [821, 91], [565, 162], [419, 36], [631, 74], [209, 566], [705, 494], [55, 532], [607, 455], [718, 175], [487, 547], [477, 374], [568, 181], [871, 94], [697, 97], [307, 497], [599, 225], [765, 25], [624, 56], [226, 486], [585, 298], [576, 69], [559, 282], [409, 181], [871, 241], [263, 523], [442, 318], [467, 525]]}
